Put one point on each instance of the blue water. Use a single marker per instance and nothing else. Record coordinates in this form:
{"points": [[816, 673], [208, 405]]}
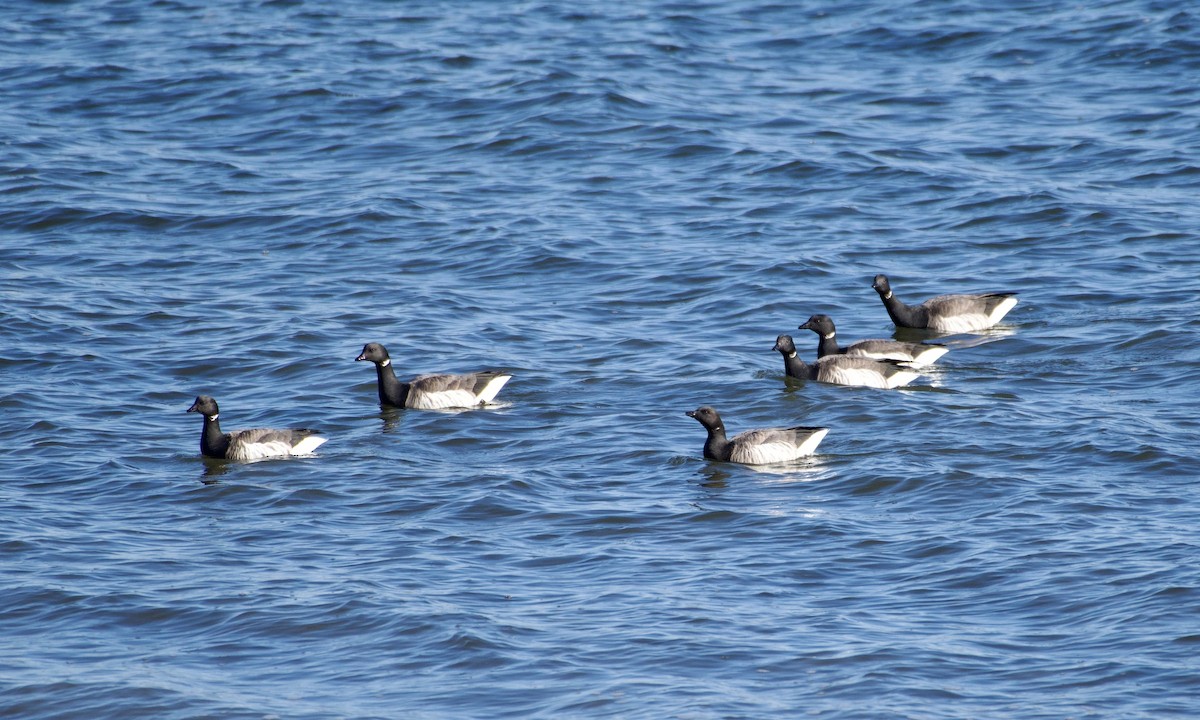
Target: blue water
{"points": [[622, 204]]}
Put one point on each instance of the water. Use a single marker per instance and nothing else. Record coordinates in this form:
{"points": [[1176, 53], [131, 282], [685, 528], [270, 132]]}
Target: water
{"points": [[623, 205]]}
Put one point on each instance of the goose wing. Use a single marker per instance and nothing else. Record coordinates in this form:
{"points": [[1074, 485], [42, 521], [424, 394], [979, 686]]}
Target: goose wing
{"points": [[258, 443], [965, 313], [762, 447], [446, 390], [897, 350], [863, 372]]}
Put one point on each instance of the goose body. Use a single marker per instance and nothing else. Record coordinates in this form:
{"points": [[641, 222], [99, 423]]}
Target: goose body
{"points": [[253, 444], [432, 392], [946, 313], [844, 369], [756, 447], [908, 352]]}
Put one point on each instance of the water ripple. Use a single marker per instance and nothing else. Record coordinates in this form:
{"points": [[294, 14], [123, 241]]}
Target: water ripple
{"points": [[623, 207]]}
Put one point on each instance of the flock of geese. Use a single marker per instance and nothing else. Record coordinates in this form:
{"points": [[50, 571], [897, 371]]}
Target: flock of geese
{"points": [[869, 363]]}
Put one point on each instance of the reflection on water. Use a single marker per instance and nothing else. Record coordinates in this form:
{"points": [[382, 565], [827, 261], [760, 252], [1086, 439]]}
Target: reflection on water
{"points": [[214, 468], [957, 340], [714, 476], [392, 418], [805, 470], [810, 469], [538, 212]]}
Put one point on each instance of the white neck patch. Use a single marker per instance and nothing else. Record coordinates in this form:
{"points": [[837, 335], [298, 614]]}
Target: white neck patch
{"points": [[888, 296], [829, 336], [212, 417], [385, 363], [791, 355]]}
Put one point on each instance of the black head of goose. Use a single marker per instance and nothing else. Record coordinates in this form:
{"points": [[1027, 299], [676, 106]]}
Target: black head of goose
{"points": [[913, 353], [844, 369], [756, 447], [432, 392], [255, 444], [946, 313]]}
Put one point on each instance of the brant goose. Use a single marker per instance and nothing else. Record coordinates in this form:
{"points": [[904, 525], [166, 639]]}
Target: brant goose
{"points": [[756, 447], [907, 352], [844, 369], [253, 444], [431, 392], [946, 313]]}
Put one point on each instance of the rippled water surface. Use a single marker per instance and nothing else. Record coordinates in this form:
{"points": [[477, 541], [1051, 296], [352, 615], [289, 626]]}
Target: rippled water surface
{"points": [[623, 204]]}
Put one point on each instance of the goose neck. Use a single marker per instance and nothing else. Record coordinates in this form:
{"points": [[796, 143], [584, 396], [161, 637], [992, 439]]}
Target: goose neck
{"points": [[716, 447], [213, 442], [391, 390]]}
